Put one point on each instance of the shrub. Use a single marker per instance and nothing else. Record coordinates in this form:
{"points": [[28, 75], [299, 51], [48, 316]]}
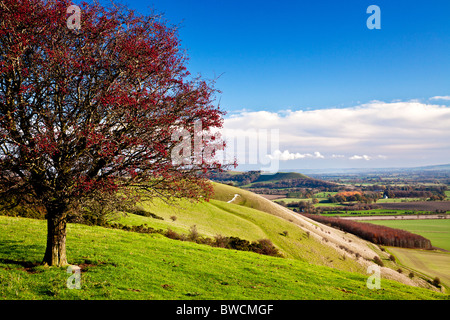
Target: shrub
{"points": [[392, 258], [173, 218], [411, 275], [378, 261], [142, 212], [172, 235], [436, 282], [221, 241], [193, 233], [265, 246]]}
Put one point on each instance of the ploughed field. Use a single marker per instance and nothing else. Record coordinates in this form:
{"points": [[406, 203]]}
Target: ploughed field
{"points": [[417, 205]]}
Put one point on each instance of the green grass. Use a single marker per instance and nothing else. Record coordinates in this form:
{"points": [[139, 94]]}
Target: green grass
{"points": [[431, 263], [118, 264], [437, 230], [228, 219]]}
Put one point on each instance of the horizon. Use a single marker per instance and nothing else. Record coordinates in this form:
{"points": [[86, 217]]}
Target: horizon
{"points": [[341, 95]]}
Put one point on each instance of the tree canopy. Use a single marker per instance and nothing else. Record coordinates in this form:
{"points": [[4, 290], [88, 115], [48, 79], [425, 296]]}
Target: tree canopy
{"points": [[96, 109]]}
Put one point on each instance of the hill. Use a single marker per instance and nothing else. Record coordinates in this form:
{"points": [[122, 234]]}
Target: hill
{"points": [[280, 180], [281, 176], [318, 262], [117, 264], [246, 218]]}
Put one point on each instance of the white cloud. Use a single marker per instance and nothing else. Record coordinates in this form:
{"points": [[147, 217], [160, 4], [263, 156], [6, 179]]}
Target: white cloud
{"points": [[356, 157], [374, 131], [286, 155], [440, 98]]}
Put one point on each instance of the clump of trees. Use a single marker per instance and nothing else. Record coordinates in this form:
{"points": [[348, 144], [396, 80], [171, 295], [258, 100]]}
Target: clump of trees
{"points": [[347, 196], [375, 233]]}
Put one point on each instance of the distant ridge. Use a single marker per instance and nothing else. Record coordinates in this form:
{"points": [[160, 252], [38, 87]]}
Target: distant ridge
{"points": [[441, 167], [255, 179], [281, 176]]}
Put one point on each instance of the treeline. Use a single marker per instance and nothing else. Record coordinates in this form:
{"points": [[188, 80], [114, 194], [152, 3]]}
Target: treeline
{"points": [[308, 207], [366, 197], [375, 233], [420, 191], [241, 178]]}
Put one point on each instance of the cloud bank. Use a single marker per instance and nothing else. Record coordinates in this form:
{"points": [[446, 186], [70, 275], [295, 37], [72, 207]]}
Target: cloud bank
{"points": [[378, 130]]}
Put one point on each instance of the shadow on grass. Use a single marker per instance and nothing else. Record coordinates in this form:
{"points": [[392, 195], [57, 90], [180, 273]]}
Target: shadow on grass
{"points": [[15, 252]]}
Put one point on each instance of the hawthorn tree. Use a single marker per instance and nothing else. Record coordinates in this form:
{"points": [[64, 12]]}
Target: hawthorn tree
{"points": [[94, 110]]}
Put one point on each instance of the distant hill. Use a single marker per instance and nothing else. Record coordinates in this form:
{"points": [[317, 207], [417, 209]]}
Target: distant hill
{"points": [[441, 167], [280, 176], [280, 180]]}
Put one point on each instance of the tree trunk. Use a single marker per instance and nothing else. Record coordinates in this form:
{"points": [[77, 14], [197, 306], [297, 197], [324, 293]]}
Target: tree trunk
{"points": [[55, 253]]}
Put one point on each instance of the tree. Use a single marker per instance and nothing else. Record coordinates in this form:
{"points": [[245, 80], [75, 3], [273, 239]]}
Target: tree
{"points": [[95, 110]]}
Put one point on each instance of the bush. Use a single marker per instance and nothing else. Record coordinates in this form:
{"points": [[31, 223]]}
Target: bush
{"points": [[173, 218], [193, 233], [378, 261], [221, 241], [392, 258], [172, 235], [17, 208], [436, 282], [142, 212]]}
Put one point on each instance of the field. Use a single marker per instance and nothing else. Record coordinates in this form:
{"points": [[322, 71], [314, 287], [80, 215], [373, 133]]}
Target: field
{"points": [[431, 263], [437, 230], [318, 261], [418, 205], [118, 264]]}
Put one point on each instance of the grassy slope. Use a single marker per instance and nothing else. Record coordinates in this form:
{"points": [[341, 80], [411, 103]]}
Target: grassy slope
{"points": [[124, 265], [336, 238], [229, 219]]}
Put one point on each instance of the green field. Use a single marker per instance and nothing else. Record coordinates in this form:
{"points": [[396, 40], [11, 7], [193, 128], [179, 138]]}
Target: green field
{"points": [[431, 263], [437, 230], [118, 264]]}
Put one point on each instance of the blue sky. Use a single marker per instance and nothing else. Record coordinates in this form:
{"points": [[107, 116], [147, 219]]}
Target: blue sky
{"points": [[277, 59], [313, 54]]}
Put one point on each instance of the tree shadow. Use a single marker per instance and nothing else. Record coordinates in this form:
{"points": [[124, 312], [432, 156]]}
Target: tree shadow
{"points": [[15, 252]]}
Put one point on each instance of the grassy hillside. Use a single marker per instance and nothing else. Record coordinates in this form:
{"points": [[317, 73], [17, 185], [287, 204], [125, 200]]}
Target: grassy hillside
{"points": [[118, 264], [228, 219]]}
